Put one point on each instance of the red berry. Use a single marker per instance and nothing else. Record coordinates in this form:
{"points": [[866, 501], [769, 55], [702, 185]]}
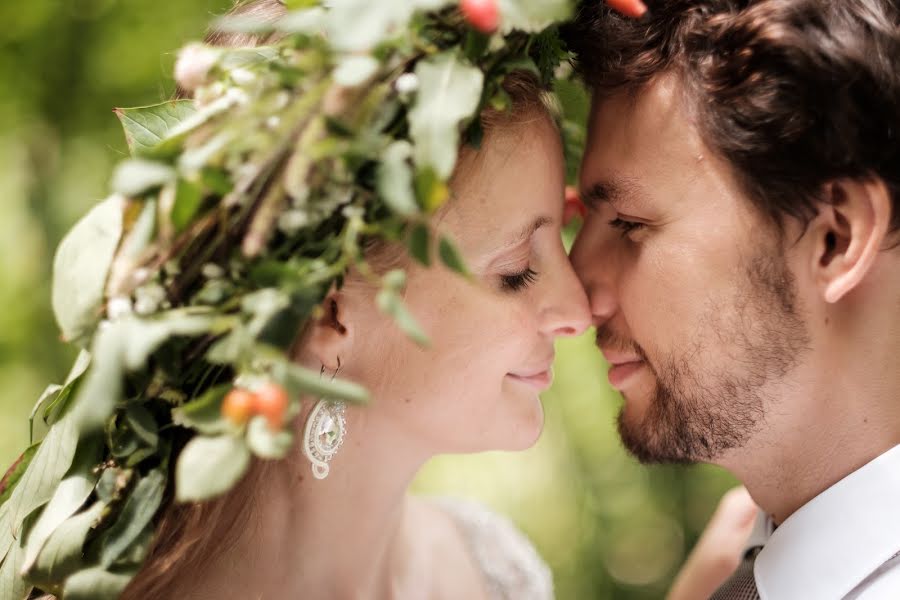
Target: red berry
{"points": [[573, 206], [629, 8], [483, 15], [272, 403], [238, 405]]}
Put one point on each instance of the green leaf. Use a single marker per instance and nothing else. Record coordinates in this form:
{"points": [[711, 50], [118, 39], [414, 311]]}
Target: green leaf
{"points": [[210, 466], [12, 584], [301, 4], [188, 198], [62, 554], [68, 497], [136, 176], [355, 25], [231, 347], [15, 472], [431, 191], [47, 397], [264, 442], [37, 485], [451, 257], [395, 179], [81, 266], [264, 305], [147, 126], [142, 423], [390, 303], [395, 280], [533, 15], [136, 515], [204, 413], [122, 346], [419, 243], [102, 385], [58, 406], [449, 93], [95, 583], [299, 380]]}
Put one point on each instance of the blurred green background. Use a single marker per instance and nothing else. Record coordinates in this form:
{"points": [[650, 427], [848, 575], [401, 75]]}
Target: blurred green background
{"points": [[609, 527]]}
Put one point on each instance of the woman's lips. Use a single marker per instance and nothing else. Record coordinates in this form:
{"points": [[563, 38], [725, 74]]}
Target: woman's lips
{"points": [[620, 373], [539, 381]]}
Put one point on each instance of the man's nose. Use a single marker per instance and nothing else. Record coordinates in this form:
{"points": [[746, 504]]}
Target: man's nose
{"points": [[594, 258]]}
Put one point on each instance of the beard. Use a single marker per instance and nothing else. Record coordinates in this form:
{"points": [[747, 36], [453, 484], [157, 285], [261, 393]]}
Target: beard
{"points": [[697, 412]]}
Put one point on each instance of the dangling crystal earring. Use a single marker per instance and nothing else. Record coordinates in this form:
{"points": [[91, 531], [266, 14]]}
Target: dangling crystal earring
{"points": [[324, 432]]}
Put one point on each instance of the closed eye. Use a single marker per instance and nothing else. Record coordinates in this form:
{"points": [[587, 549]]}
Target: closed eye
{"points": [[517, 281], [624, 226]]}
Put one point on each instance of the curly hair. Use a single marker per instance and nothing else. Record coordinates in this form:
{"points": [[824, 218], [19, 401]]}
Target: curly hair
{"points": [[792, 93]]}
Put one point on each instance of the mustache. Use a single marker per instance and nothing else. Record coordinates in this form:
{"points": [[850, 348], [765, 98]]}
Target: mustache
{"points": [[612, 340]]}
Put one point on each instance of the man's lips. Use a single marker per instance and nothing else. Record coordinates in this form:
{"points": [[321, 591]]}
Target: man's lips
{"points": [[622, 366]]}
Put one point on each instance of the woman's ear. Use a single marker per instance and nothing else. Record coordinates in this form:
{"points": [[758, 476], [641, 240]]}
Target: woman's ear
{"points": [[329, 336], [848, 234]]}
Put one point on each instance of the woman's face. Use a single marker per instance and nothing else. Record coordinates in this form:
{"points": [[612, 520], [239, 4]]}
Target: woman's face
{"points": [[476, 387]]}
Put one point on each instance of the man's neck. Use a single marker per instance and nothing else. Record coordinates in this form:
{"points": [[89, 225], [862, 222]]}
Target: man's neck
{"points": [[812, 441]]}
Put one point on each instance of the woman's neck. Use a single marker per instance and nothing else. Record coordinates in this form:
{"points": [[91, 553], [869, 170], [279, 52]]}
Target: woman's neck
{"points": [[341, 537]]}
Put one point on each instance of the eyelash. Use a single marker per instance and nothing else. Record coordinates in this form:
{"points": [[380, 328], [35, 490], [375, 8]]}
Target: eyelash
{"points": [[625, 227], [519, 281]]}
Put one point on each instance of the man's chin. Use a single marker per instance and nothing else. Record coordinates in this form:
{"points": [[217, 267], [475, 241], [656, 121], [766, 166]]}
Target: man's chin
{"points": [[649, 443]]}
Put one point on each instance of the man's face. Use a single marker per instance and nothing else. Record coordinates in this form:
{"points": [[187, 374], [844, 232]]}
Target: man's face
{"points": [[694, 301]]}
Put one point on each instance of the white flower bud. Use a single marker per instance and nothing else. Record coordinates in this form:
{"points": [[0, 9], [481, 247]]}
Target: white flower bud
{"points": [[118, 307], [242, 76], [213, 271], [193, 65], [407, 84], [292, 221], [148, 298], [237, 96], [353, 212]]}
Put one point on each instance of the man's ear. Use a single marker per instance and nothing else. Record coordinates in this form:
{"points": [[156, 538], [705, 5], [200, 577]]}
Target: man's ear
{"points": [[330, 334], [848, 234]]}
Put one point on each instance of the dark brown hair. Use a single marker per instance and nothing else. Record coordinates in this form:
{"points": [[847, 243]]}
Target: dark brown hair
{"points": [[792, 93]]}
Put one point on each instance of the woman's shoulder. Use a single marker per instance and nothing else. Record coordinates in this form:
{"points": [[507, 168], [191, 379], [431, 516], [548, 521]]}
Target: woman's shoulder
{"points": [[508, 560]]}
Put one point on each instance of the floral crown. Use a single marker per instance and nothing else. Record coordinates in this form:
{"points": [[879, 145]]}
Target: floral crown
{"points": [[233, 217]]}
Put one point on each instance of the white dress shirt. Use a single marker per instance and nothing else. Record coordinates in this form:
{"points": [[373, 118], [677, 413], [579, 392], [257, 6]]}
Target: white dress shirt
{"points": [[844, 544]]}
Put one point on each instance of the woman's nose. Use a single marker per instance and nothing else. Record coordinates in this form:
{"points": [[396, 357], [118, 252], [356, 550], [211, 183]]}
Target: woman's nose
{"points": [[567, 313]]}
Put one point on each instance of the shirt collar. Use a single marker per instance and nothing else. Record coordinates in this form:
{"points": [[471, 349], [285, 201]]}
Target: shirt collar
{"points": [[837, 539]]}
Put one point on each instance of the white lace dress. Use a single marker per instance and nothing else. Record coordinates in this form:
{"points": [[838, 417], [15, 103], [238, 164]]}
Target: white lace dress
{"points": [[510, 564]]}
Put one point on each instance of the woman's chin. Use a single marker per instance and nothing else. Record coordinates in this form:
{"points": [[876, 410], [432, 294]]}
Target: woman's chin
{"points": [[524, 430], [508, 433]]}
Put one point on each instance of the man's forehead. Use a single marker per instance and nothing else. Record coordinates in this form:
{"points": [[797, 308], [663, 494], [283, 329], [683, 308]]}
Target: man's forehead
{"points": [[647, 125]]}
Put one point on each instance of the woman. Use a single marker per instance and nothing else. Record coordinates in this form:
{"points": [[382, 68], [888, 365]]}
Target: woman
{"points": [[356, 533]]}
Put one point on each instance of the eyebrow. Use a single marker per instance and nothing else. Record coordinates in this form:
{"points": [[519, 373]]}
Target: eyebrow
{"points": [[619, 189], [526, 232]]}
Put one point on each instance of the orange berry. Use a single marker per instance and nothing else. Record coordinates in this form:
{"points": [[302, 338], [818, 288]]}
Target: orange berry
{"points": [[238, 405], [272, 403]]}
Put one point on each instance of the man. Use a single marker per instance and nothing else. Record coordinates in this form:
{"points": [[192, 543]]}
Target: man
{"points": [[742, 259]]}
